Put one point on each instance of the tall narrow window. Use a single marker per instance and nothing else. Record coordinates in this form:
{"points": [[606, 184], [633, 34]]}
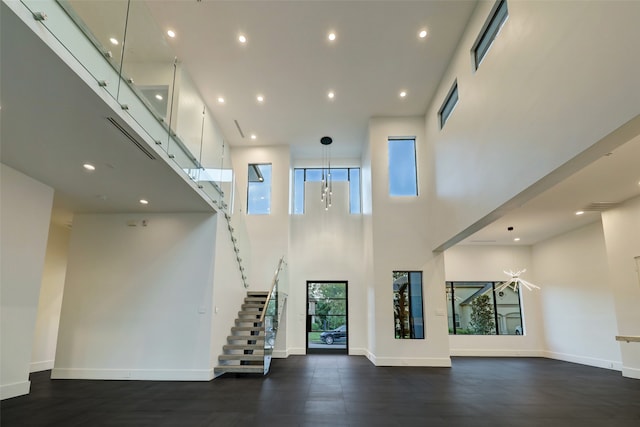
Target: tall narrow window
{"points": [[355, 205], [449, 104], [403, 177], [489, 32], [298, 191], [259, 189], [407, 305]]}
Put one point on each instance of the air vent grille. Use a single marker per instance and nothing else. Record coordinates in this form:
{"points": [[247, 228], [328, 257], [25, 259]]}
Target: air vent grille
{"points": [[239, 128], [600, 206], [131, 138]]}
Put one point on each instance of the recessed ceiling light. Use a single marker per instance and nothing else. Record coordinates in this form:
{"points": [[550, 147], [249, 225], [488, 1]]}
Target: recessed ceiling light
{"points": [[260, 98], [403, 94], [144, 202], [331, 95], [516, 239], [423, 33], [159, 97], [220, 100], [253, 136], [242, 38], [113, 41], [579, 212], [332, 36], [171, 33], [89, 167]]}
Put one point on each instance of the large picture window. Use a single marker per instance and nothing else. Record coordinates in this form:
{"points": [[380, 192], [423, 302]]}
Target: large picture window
{"points": [[476, 308]]}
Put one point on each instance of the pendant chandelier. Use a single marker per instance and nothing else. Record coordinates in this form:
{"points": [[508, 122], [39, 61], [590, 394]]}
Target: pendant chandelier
{"points": [[327, 187], [515, 282]]}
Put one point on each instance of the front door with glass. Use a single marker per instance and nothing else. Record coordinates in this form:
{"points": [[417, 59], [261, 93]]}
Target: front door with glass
{"points": [[327, 325]]}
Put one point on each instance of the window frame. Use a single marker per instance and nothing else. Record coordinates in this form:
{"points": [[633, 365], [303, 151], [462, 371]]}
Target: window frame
{"points": [[490, 30], [449, 285], [249, 182], [449, 104], [350, 170], [412, 328], [415, 163]]}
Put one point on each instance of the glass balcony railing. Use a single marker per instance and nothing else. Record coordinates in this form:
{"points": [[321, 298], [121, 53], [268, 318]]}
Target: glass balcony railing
{"points": [[130, 57], [272, 313]]}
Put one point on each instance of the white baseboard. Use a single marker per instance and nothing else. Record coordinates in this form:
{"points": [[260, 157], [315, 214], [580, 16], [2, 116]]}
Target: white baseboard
{"points": [[280, 354], [358, 352], [443, 362], [298, 351], [495, 352], [133, 374], [631, 373], [41, 366], [583, 360], [16, 389], [371, 357]]}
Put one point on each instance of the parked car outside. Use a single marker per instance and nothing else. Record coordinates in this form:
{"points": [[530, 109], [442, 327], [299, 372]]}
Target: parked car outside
{"points": [[329, 337]]}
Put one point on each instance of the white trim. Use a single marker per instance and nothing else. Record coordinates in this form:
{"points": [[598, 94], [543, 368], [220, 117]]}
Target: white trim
{"points": [[133, 374], [584, 360], [358, 352], [280, 354], [297, 351], [41, 366], [16, 389], [631, 372], [371, 357], [495, 352], [413, 361]]}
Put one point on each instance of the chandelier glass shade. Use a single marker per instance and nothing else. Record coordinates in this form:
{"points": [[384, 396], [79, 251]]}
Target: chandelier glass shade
{"points": [[327, 183]]}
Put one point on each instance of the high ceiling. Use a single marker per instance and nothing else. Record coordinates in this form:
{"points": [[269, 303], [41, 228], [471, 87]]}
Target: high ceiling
{"points": [[289, 60]]}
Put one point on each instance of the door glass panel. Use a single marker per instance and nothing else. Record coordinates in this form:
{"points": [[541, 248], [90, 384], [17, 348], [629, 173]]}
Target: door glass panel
{"points": [[327, 330]]}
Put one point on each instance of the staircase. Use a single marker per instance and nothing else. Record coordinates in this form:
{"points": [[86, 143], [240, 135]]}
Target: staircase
{"points": [[245, 348]]}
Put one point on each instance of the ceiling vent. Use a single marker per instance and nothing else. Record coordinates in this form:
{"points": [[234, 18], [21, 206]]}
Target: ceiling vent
{"points": [[239, 129], [131, 138], [600, 206]]}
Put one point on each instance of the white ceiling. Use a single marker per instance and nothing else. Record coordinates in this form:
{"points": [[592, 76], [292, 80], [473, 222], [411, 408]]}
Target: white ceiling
{"points": [[289, 60], [53, 123], [613, 178]]}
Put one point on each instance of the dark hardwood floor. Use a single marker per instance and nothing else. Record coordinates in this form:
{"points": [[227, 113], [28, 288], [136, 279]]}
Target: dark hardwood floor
{"points": [[345, 391]]}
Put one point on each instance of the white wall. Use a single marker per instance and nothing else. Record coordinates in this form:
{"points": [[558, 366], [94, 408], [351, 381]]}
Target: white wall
{"points": [[551, 86], [327, 245], [137, 300], [50, 302], [228, 290], [487, 263], [402, 241], [577, 302], [622, 237], [25, 212], [269, 234]]}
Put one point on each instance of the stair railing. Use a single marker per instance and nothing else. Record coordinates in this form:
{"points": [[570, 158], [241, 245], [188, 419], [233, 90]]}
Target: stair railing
{"points": [[272, 313]]}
